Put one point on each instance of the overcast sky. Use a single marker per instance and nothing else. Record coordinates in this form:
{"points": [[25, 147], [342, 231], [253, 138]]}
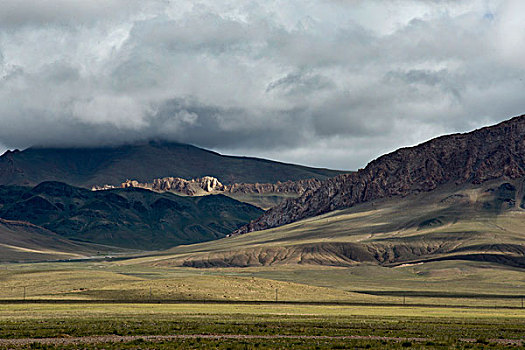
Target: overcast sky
{"points": [[325, 83]]}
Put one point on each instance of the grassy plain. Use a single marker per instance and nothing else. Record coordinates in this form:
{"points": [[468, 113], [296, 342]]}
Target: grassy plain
{"points": [[266, 326], [149, 292], [437, 283]]}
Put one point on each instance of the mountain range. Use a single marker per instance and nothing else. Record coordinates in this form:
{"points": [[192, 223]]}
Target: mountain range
{"points": [[88, 167], [482, 223], [48, 190], [263, 195], [459, 196]]}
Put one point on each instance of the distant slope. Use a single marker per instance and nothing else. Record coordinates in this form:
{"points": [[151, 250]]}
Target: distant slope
{"points": [[87, 167], [484, 223], [22, 241], [496, 152], [132, 218]]}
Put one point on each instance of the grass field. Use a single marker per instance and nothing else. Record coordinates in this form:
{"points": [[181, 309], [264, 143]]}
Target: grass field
{"points": [[490, 315], [266, 326], [438, 283]]}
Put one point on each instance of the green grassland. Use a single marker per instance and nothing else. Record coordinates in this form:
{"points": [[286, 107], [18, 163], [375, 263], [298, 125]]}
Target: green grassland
{"points": [[277, 325]]}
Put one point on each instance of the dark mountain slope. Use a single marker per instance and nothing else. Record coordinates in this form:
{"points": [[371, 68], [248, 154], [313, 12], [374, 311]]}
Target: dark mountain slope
{"points": [[87, 167], [132, 218], [485, 154]]}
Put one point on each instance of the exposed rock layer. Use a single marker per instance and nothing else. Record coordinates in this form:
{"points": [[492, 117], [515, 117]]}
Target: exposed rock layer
{"points": [[211, 185], [349, 254], [485, 154]]}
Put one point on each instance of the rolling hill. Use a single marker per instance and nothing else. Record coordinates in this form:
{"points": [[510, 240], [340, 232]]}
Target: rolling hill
{"points": [[87, 167], [132, 218], [22, 241]]}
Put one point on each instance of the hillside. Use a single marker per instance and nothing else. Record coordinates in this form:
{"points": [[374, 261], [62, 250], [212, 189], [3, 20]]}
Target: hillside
{"points": [[87, 167], [481, 223], [496, 152], [22, 241], [131, 218]]}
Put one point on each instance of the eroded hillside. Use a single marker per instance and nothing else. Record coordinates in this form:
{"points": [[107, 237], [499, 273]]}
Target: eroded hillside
{"points": [[263, 195]]}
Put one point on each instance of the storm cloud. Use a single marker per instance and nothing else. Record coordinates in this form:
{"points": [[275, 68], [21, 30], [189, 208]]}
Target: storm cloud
{"points": [[326, 83]]}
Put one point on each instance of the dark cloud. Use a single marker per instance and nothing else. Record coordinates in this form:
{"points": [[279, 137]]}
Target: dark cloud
{"points": [[327, 83], [300, 84]]}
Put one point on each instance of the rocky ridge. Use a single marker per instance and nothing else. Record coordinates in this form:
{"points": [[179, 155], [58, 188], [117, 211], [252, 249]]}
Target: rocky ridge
{"points": [[211, 185], [485, 154]]}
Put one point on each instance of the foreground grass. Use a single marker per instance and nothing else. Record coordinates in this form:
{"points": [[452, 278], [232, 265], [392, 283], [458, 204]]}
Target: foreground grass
{"points": [[49, 320], [439, 327], [82, 310]]}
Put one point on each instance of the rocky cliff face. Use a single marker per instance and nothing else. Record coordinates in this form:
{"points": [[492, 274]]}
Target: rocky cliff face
{"points": [[206, 184], [211, 185], [288, 187], [485, 154]]}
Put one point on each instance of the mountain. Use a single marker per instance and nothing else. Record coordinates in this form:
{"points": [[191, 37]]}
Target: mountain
{"points": [[131, 218], [87, 167], [496, 152], [263, 195]]}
